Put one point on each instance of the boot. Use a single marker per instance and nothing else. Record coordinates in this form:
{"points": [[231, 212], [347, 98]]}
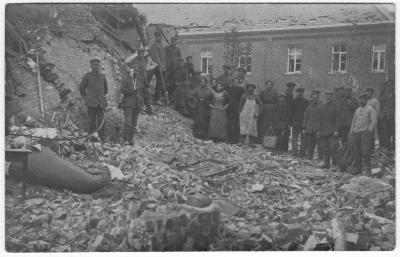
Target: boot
{"points": [[131, 137]]}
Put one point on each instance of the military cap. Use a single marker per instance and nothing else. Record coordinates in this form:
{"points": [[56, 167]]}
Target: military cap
{"points": [[348, 89], [180, 59], [300, 89], [226, 66], [290, 84], [316, 92], [369, 89], [281, 95], [251, 85], [328, 93], [94, 60], [339, 88], [363, 95]]}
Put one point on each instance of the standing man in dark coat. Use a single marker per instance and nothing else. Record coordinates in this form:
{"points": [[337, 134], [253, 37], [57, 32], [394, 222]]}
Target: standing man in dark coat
{"points": [[188, 66], [159, 56], [347, 106], [289, 100], [388, 116], [296, 121], [311, 124], [141, 61], [173, 54], [281, 122], [132, 88], [93, 90], [329, 128], [226, 78]]}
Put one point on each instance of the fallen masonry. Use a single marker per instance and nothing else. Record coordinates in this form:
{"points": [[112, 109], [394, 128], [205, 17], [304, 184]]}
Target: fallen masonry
{"points": [[171, 186]]}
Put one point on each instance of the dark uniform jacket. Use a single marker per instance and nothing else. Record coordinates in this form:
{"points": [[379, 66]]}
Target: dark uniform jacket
{"points": [[312, 118], [133, 98], [388, 108], [299, 106], [93, 89], [173, 53], [347, 107], [281, 116], [329, 120]]}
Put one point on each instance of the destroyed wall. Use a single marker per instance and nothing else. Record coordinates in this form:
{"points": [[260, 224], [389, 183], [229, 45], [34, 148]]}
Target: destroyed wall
{"points": [[69, 45], [270, 55]]}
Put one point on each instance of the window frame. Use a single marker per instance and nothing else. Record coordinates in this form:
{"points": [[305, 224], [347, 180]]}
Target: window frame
{"points": [[246, 56], [205, 54], [379, 52], [340, 53], [295, 54]]}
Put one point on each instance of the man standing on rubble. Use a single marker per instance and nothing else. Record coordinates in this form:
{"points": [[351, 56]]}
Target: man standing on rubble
{"points": [[159, 56], [173, 53], [362, 130], [132, 88], [296, 120], [289, 101], [329, 128], [347, 107], [141, 61], [311, 123], [93, 90]]}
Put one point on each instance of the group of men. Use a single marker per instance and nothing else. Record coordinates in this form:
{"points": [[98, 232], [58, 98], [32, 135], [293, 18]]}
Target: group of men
{"points": [[340, 116]]}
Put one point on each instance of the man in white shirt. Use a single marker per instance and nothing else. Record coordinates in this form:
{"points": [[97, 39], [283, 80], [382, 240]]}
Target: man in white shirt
{"points": [[362, 131]]}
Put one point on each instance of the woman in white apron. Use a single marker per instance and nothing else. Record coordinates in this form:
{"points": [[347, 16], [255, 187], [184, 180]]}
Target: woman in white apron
{"points": [[250, 107]]}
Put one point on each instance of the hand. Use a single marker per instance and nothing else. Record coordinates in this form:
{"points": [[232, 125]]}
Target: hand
{"points": [[335, 133]]}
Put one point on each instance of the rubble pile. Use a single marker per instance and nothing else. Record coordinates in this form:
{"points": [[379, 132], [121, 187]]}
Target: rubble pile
{"points": [[171, 186]]}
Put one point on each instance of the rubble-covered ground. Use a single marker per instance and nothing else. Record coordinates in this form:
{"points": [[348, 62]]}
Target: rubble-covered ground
{"points": [[256, 200]]}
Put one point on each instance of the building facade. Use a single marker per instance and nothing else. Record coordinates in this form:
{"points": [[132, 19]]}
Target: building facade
{"points": [[316, 58], [317, 46]]}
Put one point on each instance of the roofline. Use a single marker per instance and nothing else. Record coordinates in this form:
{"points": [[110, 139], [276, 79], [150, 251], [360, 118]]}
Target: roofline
{"points": [[341, 25]]}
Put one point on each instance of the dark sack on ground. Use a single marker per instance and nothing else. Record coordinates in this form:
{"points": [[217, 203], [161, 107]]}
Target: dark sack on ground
{"points": [[343, 156]]}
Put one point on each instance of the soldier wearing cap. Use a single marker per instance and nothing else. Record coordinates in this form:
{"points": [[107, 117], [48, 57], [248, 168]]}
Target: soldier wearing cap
{"points": [[347, 106], [188, 66], [289, 100], [299, 106], [141, 61], [362, 130], [93, 89], [226, 78], [173, 54], [329, 129], [132, 87], [311, 124], [280, 122], [159, 56]]}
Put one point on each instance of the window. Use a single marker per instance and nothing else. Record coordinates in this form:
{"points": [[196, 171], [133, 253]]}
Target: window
{"points": [[205, 62], [294, 60], [245, 62], [339, 58], [378, 57]]}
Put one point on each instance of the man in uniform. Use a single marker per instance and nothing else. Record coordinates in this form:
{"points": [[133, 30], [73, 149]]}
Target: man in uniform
{"points": [[159, 56], [362, 130], [173, 53], [132, 89], [329, 128], [141, 61], [225, 79], [93, 89], [188, 66], [388, 116], [289, 101], [298, 108], [347, 107], [311, 123]]}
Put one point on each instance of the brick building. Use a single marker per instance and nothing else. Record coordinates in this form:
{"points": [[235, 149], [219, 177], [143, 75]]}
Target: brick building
{"points": [[318, 46]]}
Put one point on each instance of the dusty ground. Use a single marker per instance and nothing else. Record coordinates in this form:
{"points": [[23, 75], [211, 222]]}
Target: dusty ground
{"points": [[279, 202]]}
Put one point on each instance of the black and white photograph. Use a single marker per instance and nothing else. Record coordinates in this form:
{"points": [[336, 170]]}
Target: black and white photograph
{"points": [[199, 127]]}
